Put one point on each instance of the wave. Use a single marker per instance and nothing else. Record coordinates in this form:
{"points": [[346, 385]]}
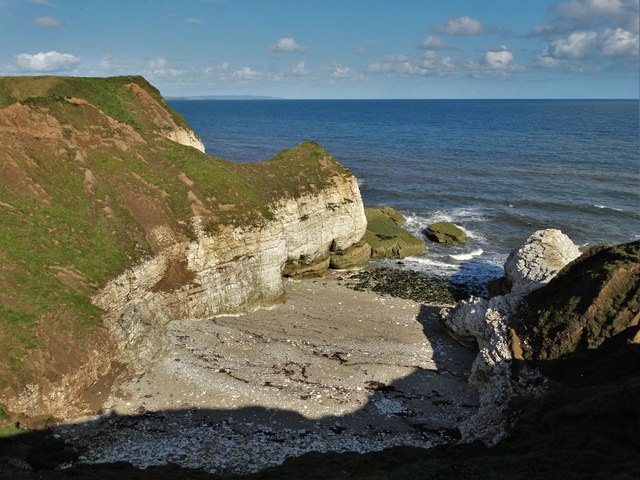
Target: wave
{"points": [[467, 256], [416, 224], [432, 263], [609, 208]]}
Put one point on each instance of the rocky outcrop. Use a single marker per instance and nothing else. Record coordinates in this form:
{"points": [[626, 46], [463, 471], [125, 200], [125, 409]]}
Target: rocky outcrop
{"points": [[590, 301], [386, 236], [445, 232], [237, 270], [352, 258], [539, 259], [486, 322]]}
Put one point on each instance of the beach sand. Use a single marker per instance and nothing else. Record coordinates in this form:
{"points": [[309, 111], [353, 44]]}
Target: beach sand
{"points": [[332, 369]]}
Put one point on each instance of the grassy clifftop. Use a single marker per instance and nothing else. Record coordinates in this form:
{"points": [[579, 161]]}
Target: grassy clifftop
{"points": [[90, 185]]}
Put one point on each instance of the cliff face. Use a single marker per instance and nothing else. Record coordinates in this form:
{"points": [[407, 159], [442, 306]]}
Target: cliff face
{"points": [[111, 229], [236, 270]]}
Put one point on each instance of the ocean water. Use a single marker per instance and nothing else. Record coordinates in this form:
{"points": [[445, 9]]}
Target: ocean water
{"points": [[500, 169]]}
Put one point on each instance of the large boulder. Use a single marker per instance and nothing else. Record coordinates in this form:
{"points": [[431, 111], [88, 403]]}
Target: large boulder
{"points": [[445, 232], [387, 237], [539, 259]]}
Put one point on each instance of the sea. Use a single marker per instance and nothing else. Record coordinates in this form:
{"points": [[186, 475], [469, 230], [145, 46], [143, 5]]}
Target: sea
{"points": [[499, 169]]}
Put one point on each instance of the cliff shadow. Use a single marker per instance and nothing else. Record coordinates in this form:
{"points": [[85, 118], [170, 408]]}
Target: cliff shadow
{"points": [[421, 409]]}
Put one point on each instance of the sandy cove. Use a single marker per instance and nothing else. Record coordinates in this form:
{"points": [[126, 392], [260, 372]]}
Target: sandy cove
{"points": [[332, 369]]}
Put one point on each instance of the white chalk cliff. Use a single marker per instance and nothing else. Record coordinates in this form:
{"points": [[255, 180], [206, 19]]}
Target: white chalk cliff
{"points": [[234, 271]]}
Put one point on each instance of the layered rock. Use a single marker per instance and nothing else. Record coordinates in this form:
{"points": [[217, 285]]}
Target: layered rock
{"points": [[445, 232], [486, 322], [352, 258], [237, 270], [387, 237]]}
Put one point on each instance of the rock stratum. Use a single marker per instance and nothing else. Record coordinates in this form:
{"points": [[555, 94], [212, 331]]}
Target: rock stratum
{"points": [[115, 222]]}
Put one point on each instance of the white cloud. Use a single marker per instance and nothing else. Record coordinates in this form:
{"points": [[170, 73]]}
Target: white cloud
{"points": [[157, 64], [578, 15], [338, 71], [287, 45], [591, 50], [193, 21], [247, 73], [576, 45], [429, 65], [42, 2], [47, 22], [219, 68], [498, 59], [580, 9], [298, 70], [619, 42], [432, 42], [462, 26], [47, 61]]}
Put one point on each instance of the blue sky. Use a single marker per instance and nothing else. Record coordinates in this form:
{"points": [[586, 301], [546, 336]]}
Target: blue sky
{"points": [[334, 48]]}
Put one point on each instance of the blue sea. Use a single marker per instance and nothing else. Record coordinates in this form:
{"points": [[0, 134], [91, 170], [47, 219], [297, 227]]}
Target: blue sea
{"points": [[500, 169]]}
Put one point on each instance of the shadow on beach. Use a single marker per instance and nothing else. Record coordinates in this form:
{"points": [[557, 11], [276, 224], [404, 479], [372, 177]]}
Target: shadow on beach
{"points": [[422, 409]]}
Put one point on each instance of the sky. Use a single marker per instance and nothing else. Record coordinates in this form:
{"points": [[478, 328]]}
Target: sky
{"points": [[334, 48]]}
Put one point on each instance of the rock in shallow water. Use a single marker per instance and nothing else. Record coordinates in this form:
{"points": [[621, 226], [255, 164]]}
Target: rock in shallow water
{"points": [[445, 232], [386, 236]]}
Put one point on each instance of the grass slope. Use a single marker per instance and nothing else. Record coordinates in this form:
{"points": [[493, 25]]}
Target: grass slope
{"points": [[83, 185]]}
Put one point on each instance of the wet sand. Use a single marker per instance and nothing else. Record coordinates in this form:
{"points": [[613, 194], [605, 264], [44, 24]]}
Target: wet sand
{"points": [[332, 369]]}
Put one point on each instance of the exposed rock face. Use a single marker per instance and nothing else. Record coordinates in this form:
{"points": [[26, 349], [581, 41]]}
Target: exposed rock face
{"points": [[386, 236], [185, 137], [591, 300], [238, 270], [539, 259], [486, 322], [445, 232], [163, 120]]}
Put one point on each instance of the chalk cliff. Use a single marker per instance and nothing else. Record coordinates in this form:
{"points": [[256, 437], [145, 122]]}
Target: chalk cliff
{"points": [[486, 323], [115, 223]]}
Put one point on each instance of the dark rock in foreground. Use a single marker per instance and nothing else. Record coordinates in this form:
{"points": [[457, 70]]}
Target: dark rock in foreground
{"points": [[594, 298]]}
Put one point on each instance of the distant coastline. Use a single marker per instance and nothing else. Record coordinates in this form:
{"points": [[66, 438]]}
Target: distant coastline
{"points": [[225, 97]]}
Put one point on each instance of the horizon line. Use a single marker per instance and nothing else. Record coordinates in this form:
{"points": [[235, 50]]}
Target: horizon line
{"points": [[268, 98]]}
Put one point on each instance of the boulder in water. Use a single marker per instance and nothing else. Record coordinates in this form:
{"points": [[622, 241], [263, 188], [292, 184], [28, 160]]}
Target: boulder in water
{"points": [[445, 232], [387, 237]]}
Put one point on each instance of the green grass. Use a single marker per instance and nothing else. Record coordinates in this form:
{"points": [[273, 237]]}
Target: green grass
{"points": [[58, 250], [105, 93]]}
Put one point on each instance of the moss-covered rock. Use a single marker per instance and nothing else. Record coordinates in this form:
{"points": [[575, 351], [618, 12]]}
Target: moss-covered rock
{"points": [[592, 299], [387, 237], [445, 232], [353, 258]]}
